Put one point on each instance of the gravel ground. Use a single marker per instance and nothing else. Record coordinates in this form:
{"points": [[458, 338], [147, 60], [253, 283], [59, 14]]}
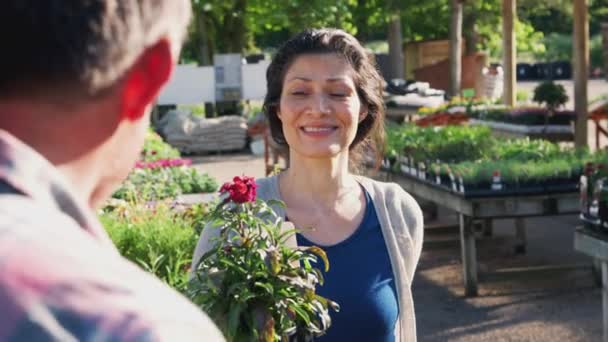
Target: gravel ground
{"points": [[522, 305]]}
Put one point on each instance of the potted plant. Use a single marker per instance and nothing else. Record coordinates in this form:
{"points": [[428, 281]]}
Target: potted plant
{"points": [[552, 95], [254, 286]]}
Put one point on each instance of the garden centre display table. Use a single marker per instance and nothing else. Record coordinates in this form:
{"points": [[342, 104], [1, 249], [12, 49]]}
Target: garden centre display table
{"points": [[486, 208], [401, 114], [554, 133], [595, 244]]}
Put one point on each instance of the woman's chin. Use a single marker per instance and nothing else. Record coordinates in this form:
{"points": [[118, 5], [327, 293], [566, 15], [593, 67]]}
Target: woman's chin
{"points": [[321, 153]]}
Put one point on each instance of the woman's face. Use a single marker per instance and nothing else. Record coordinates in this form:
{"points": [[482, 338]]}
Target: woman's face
{"points": [[319, 107]]}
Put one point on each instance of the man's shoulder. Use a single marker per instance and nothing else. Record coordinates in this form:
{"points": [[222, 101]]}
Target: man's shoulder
{"points": [[50, 266]]}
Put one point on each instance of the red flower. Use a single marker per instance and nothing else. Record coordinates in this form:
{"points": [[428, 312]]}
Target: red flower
{"points": [[241, 190]]}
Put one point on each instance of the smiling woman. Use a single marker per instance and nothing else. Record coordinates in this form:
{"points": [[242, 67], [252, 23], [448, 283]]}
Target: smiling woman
{"points": [[319, 107], [324, 103]]}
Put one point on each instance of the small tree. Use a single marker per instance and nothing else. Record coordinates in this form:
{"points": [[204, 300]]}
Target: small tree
{"points": [[552, 95]]}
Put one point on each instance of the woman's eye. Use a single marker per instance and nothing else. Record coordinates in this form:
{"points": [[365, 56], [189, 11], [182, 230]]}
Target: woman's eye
{"points": [[338, 94], [298, 93]]}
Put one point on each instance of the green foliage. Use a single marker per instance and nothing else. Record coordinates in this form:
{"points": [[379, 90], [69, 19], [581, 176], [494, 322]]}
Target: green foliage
{"points": [[196, 110], [450, 143], [522, 95], [231, 26], [252, 285], [559, 48], [553, 95], [155, 148], [518, 160], [529, 41], [161, 183], [526, 150], [158, 239], [596, 52], [247, 25]]}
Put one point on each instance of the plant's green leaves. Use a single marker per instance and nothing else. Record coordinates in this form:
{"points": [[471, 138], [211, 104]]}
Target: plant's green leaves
{"points": [[234, 316], [321, 253], [267, 287], [301, 313]]}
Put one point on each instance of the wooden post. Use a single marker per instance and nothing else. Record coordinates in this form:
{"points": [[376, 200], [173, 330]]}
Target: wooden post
{"points": [[455, 48], [605, 47], [581, 70], [395, 47], [469, 255], [605, 298], [509, 44]]}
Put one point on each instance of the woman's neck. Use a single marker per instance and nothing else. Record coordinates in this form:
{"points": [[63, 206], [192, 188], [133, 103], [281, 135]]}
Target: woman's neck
{"points": [[317, 181]]}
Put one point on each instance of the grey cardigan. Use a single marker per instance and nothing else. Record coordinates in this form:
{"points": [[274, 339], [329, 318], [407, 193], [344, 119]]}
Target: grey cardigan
{"points": [[402, 227]]}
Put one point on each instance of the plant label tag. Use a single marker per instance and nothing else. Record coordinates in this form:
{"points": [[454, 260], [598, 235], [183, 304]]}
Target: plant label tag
{"points": [[454, 185]]}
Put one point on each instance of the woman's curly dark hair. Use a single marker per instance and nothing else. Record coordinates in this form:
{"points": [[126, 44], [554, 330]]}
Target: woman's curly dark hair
{"points": [[367, 79]]}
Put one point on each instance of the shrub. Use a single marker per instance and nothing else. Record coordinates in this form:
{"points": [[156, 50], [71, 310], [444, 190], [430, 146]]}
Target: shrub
{"points": [[551, 94], [159, 239], [149, 184]]}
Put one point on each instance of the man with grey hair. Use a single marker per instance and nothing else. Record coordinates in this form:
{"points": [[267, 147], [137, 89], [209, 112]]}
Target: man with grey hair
{"points": [[77, 80]]}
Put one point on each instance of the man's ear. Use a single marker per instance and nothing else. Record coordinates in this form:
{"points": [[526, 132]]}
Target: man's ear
{"points": [[144, 80]]}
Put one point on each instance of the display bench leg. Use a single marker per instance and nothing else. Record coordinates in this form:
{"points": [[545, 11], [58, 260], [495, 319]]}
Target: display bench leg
{"points": [[488, 230], [469, 255], [520, 236], [605, 298]]}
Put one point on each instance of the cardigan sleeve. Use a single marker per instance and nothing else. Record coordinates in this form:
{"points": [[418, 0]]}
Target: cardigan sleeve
{"points": [[413, 220], [205, 243]]}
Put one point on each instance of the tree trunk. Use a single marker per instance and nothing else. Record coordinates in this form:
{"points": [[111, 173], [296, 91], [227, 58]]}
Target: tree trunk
{"points": [[470, 32], [581, 70], [455, 47], [360, 21], [605, 47], [395, 48], [204, 51], [234, 31]]}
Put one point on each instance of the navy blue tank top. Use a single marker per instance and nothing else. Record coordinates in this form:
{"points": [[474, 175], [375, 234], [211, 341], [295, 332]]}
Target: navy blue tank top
{"points": [[361, 280]]}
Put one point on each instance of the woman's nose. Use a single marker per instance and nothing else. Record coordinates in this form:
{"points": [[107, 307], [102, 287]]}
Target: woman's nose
{"points": [[321, 105]]}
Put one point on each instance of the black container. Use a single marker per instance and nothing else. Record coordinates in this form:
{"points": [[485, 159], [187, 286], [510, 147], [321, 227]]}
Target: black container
{"points": [[558, 185], [525, 72], [254, 58], [530, 187], [542, 71], [561, 70]]}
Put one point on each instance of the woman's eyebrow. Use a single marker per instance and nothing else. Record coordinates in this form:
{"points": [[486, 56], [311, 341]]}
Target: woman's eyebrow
{"points": [[298, 78], [305, 79]]}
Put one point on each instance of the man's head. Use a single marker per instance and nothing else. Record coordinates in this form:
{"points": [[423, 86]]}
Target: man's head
{"points": [[83, 46], [78, 77]]}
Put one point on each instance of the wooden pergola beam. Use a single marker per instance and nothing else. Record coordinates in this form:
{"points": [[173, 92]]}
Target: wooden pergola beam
{"points": [[509, 15], [581, 70]]}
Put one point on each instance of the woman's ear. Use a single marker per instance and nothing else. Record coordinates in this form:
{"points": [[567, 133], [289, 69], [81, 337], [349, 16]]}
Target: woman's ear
{"points": [[363, 113]]}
